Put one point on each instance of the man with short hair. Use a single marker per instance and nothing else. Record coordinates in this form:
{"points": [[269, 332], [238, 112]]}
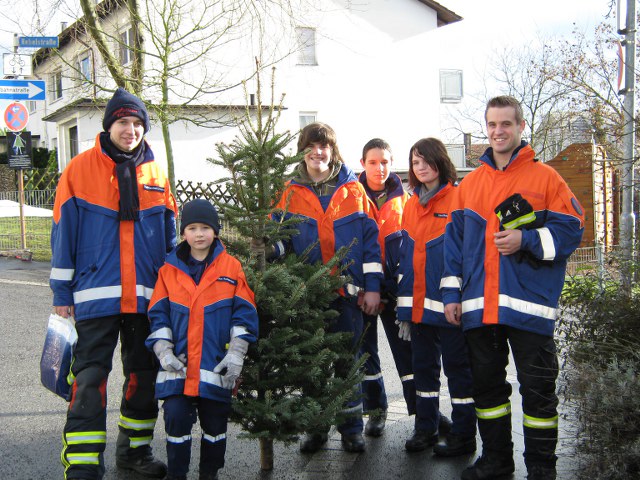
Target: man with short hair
{"points": [[514, 223], [113, 225]]}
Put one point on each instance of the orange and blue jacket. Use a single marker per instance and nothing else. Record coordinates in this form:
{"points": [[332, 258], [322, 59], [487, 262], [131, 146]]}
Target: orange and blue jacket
{"points": [[101, 265], [421, 262], [349, 221], [389, 218], [504, 289], [200, 320]]}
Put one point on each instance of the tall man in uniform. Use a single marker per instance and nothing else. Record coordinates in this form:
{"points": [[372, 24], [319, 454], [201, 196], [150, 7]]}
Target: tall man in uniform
{"points": [[514, 223], [113, 225]]}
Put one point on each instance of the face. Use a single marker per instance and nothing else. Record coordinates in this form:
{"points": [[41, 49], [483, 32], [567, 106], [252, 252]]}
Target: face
{"points": [[126, 133], [504, 132], [199, 236], [377, 166], [317, 158], [424, 172]]}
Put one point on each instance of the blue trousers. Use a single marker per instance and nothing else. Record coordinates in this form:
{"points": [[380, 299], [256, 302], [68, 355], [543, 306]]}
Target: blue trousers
{"points": [[375, 396], [179, 417], [434, 348], [350, 320]]}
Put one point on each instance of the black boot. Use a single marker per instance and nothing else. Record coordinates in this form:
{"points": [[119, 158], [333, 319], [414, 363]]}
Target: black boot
{"points": [[454, 445], [487, 468], [208, 475], [175, 477], [541, 472], [353, 442], [146, 465], [313, 442], [420, 440], [375, 424]]}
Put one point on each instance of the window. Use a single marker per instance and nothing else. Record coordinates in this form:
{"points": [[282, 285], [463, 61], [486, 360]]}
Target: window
{"points": [[306, 46], [306, 118], [32, 105], [73, 141], [450, 86], [126, 44], [55, 86], [84, 68]]}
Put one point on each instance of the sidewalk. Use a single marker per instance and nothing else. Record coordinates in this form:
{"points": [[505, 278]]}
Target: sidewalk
{"points": [[384, 458]]}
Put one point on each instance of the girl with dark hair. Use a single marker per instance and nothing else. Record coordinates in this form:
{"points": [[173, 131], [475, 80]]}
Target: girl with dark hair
{"points": [[434, 342]]}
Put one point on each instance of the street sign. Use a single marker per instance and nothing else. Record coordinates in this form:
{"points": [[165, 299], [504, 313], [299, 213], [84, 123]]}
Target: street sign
{"points": [[19, 150], [16, 116], [22, 90], [38, 42], [16, 64]]}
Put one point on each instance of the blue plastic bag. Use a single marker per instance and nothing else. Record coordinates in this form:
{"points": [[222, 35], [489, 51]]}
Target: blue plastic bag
{"points": [[57, 354]]}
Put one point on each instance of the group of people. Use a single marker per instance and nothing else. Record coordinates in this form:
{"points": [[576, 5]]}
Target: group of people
{"points": [[459, 275]]}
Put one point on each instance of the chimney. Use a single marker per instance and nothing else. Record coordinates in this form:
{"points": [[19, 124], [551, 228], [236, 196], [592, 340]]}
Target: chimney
{"points": [[63, 26]]}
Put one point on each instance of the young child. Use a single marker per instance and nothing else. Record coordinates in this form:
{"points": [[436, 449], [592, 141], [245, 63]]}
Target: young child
{"points": [[420, 309], [335, 212], [203, 317]]}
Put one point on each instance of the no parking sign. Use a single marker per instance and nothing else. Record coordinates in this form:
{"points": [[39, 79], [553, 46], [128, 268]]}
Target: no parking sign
{"points": [[16, 117]]}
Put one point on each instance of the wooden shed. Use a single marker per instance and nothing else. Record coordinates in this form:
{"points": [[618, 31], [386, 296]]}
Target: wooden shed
{"points": [[592, 178]]}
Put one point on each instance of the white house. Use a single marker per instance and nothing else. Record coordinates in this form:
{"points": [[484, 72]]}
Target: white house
{"points": [[370, 68]]}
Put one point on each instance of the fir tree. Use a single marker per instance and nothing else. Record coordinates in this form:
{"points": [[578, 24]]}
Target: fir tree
{"points": [[290, 384]]}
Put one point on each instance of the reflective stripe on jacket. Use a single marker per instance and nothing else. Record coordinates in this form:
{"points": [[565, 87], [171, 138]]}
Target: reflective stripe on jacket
{"points": [[101, 265], [508, 289]]}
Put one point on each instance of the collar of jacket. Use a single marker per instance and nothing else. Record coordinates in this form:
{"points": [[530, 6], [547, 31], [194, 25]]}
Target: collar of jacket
{"points": [[520, 155], [393, 186], [180, 255]]}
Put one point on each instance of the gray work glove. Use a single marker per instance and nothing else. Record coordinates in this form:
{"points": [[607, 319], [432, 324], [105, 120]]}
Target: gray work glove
{"points": [[232, 361], [168, 361], [404, 330]]}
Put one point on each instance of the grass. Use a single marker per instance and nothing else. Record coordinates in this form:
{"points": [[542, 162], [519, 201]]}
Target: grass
{"points": [[38, 233]]}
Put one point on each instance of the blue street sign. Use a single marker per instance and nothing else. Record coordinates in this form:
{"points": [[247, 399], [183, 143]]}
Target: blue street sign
{"points": [[22, 90], [38, 42]]}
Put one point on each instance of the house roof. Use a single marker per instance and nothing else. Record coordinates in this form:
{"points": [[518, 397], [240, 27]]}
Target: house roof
{"points": [[445, 16], [88, 104]]}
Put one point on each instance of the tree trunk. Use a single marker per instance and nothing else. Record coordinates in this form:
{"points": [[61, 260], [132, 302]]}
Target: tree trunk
{"points": [[266, 453]]}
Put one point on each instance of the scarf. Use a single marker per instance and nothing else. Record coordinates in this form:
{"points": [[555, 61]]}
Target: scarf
{"points": [[425, 194], [126, 163]]}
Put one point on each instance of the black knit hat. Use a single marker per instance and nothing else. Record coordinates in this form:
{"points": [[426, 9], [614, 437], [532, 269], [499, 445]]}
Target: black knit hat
{"points": [[199, 211], [125, 104]]}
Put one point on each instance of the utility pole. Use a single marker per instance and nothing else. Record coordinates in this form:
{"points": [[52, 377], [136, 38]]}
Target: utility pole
{"points": [[627, 220]]}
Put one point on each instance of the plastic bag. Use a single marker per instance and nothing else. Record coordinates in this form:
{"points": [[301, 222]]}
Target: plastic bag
{"points": [[57, 353]]}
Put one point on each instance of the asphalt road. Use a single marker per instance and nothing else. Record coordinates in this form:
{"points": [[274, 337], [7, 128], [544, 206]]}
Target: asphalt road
{"points": [[32, 418]]}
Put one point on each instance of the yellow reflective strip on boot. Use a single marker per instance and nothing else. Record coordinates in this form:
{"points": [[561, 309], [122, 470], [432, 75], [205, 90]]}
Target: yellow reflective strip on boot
{"points": [[90, 458], [78, 438], [63, 458], [133, 424], [494, 412], [135, 442], [541, 423]]}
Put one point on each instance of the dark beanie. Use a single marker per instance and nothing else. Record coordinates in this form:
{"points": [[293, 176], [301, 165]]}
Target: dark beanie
{"points": [[199, 211], [125, 104]]}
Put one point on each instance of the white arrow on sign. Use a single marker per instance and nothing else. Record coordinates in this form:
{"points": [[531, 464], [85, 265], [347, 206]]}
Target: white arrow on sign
{"points": [[31, 90]]}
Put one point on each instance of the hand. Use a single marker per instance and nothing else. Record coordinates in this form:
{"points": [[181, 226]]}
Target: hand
{"points": [[65, 311], [232, 362], [168, 361], [453, 313], [371, 303], [404, 330], [508, 241]]}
